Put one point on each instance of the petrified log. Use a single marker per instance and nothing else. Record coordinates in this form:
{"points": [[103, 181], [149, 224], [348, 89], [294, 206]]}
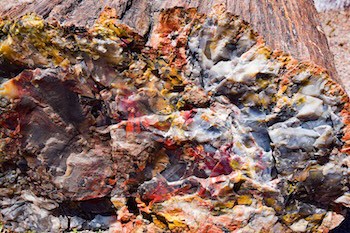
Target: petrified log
{"points": [[204, 128]]}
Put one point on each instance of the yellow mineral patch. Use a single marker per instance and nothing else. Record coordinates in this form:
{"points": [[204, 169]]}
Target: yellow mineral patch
{"points": [[9, 90], [107, 24], [162, 105], [300, 100], [5, 46], [290, 218], [228, 204], [244, 200], [270, 201], [175, 219], [158, 223], [265, 51], [315, 217], [235, 164], [263, 83], [118, 202], [180, 104], [6, 49], [32, 21]]}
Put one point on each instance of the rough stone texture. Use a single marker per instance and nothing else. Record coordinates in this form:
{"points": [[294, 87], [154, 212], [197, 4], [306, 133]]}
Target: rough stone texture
{"points": [[291, 26], [336, 25], [326, 5], [204, 128], [335, 18]]}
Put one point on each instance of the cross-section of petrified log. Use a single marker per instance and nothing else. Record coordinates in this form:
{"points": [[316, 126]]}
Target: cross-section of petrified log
{"points": [[204, 129]]}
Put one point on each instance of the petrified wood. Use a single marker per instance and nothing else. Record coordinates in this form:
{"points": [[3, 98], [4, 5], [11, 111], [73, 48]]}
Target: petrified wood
{"points": [[291, 26], [202, 129]]}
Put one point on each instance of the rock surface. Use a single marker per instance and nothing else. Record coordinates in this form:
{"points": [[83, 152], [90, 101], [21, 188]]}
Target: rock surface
{"points": [[336, 25], [291, 26], [326, 5], [202, 128]]}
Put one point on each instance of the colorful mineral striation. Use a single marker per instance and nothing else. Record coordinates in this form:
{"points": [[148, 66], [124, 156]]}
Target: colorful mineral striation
{"points": [[198, 128]]}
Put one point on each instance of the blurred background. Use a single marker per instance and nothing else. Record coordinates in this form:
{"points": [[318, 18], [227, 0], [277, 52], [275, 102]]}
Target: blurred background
{"points": [[335, 19]]}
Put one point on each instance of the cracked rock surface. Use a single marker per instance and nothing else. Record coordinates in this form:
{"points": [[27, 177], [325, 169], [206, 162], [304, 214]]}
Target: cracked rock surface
{"points": [[198, 127]]}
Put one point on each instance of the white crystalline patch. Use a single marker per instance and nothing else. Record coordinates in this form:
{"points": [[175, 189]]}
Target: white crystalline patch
{"points": [[311, 108], [314, 88], [293, 138], [193, 44], [247, 68], [345, 199], [331, 220], [222, 68], [245, 71], [326, 137], [299, 226], [199, 129], [326, 5], [39, 201], [303, 76]]}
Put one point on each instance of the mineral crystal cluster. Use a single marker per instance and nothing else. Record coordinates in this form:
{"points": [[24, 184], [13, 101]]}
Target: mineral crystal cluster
{"points": [[197, 127]]}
